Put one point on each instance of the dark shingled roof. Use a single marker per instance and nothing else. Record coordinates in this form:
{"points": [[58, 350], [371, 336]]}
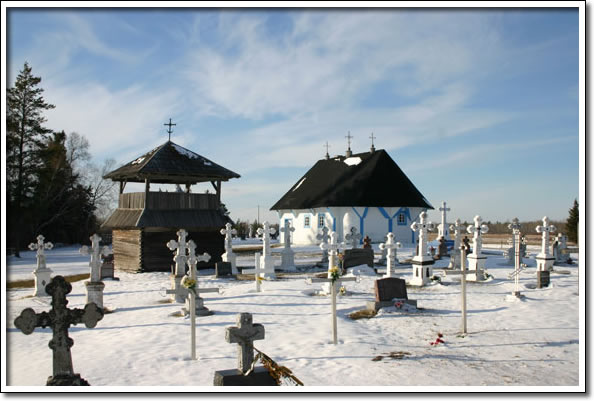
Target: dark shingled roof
{"points": [[137, 218], [171, 163], [375, 181]]}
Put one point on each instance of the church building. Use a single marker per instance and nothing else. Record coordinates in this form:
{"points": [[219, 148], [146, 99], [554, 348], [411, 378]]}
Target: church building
{"points": [[367, 191]]}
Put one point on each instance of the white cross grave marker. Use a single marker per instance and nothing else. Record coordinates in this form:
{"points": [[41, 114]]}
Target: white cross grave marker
{"points": [[256, 271], [324, 238], [455, 256], [332, 247], [476, 260], [94, 286], [422, 263], [544, 260], [179, 293], [463, 272], [229, 256], [353, 238], [266, 261], [443, 227], [333, 285], [515, 227], [390, 246], [287, 254], [42, 273]]}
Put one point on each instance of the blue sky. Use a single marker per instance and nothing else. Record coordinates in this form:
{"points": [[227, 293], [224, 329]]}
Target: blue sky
{"points": [[478, 107]]}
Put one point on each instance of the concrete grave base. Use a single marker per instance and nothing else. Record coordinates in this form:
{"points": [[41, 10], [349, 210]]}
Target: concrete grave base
{"points": [[543, 279], [95, 292], [234, 377], [377, 305], [42, 278], [223, 269]]}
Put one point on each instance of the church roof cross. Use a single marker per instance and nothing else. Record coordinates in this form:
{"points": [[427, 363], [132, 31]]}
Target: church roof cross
{"points": [[169, 130]]}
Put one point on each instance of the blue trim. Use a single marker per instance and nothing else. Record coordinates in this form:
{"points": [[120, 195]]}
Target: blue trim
{"points": [[333, 219], [387, 216], [361, 221], [323, 216]]}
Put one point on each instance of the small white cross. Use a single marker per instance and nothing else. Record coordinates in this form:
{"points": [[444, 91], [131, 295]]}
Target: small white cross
{"points": [[180, 257], [353, 237], [265, 231], [390, 245], [332, 247], [477, 229], [443, 227], [287, 230], [95, 252], [545, 229], [228, 232], [324, 238], [40, 246], [422, 227], [256, 271]]}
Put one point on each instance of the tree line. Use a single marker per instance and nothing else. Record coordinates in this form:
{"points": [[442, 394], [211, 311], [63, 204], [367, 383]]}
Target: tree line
{"points": [[52, 187]]}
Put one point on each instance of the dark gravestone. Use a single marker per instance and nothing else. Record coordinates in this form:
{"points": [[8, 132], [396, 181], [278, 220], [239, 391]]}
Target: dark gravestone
{"points": [[388, 289], [466, 243], [107, 269], [443, 248], [223, 269], [358, 256], [543, 279], [59, 320]]}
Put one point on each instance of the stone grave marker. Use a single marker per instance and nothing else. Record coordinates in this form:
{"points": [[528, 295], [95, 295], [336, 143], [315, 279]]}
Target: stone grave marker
{"points": [[223, 269], [287, 254], [324, 238], [544, 260], [95, 286], [352, 238], [386, 291], [180, 258], [266, 261], [422, 263], [442, 249], [42, 274], [455, 255], [244, 335], [107, 268], [59, 319], [543, 278], [229, 256], [390, 247], [442, 229], [560, 251], [476, 260]]}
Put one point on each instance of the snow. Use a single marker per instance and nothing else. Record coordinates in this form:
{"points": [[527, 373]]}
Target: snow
{"points": [[533, 342], [352, 161], [300, 182], [190, 154]]}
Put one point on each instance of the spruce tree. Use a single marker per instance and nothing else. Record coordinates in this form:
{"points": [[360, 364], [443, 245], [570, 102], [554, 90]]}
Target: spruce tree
{"points": [[572, 222], [25, 135]]}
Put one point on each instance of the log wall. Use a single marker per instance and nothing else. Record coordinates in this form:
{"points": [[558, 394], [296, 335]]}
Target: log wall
{"points": [[127, 253]]}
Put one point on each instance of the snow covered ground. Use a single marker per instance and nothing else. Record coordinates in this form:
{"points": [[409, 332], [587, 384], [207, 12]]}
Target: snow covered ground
{"points": [[511, 343]]}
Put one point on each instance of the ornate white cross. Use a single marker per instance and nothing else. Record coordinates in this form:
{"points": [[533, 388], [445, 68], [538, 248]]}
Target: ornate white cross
{"points": [[180, 257], [333, 247], [228, 232], [287, 230], [457, 230], [545, 229], [333, 285], [477, 229], [515, 227], [95, 252], [390, 246], [422, 227], [40, 246], [353, 237], [265, 231], [443, 227], [324, 238]]}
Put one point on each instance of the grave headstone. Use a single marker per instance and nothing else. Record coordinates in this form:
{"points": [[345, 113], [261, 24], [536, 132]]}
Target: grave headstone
{"points": [[352, 238], [323, 236], [180, 247], [442, 249], [229, 256], [387, 290], [266, 261], [287, 254], [390, 246], [244, 335], [107, 268], [421, 262], [223, 269], [59, 319], [476, 260], [95, 286], [560, 251], [543, 278], [42, 274], [357, 256], [544, 260]]}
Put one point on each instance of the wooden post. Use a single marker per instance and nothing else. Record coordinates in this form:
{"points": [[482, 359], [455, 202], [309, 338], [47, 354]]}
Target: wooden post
{"points": [[219, 192], [193, 323], [147, 187]]}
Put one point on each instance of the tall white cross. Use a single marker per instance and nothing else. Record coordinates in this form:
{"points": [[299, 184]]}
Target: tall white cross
{"points": [[265, 231], [477, 229], [41, 246], [422, 227], [96, 251], [545, 229], [333, 285], [443, 227], [463, 272], [515, 227], [390, 245], [332, 247], [324, 238], [287, 230], [353, 238], [256, 271], [229, 256], [180, 257], [193, 260]]}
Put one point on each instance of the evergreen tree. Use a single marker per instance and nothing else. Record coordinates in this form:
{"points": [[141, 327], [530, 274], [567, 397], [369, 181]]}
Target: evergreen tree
{"points": [[572, 222], [25, 134]]}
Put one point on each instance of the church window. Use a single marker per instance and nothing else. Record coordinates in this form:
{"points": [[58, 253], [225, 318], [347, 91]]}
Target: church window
{"points": [[306, 222], [401, 219], [321, 219]]}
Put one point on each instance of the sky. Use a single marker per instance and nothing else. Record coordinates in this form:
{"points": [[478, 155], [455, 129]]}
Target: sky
{"points": [[479, 108]]}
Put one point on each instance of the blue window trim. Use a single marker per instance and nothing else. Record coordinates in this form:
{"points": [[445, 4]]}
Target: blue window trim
{"points": [[402, 210], [333, 219], [361, 221], [306, 216], [323, 216]]}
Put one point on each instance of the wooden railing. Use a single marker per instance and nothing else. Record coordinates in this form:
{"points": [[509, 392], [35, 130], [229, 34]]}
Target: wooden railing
{"points": [[167, 200]]}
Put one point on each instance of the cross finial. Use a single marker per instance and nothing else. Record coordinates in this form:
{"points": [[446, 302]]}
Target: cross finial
{"points": [[169, 130], [327, 154], [349, 137], [372, 137]]}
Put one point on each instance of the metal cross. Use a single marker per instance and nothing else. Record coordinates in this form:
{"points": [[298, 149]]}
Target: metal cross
{"points": [[327, 146], [422, 227], [95, 251], [244, 335], [545, 229], [390, 246], [372, 138], [169, 130], [349, 137], [59, 320], [477, 229]]}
